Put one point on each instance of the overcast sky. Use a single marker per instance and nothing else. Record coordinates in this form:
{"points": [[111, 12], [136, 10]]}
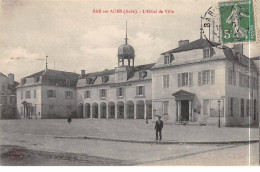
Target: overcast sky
{"points": [[76, 38]]}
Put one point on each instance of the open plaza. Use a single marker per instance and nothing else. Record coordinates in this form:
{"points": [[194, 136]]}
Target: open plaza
{"points": [[125, 142]]}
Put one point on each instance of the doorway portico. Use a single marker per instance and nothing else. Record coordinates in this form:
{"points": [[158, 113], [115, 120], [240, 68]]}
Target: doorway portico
{"points": [[184, 110]]}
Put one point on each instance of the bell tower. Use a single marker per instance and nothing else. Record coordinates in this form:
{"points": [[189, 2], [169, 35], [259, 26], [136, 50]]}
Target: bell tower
{"points": [[126, 53]]}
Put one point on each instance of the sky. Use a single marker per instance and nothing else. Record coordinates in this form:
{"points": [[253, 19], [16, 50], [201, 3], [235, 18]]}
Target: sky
{"points": [[75, 38]]}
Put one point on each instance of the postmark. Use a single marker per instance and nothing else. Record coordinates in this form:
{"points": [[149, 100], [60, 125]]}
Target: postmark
{"points": [[237, 21], [16, 155]]}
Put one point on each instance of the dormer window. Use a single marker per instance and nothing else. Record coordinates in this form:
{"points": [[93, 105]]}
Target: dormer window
{"points": [[90, 81], [105, 79], [206, 53], [142, 74], [23, 80], [36, 79], [67, 82], [168, 58]]}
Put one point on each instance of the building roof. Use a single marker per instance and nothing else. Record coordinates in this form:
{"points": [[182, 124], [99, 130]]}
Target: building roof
{"points": [[197, 44], [133, 75], [202, 43], [51, 77], [181, 93], [3, 75]]}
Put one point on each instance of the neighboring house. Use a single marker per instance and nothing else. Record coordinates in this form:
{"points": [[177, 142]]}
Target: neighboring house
{"points": [[193, 77], [47, 94], [257, 62], [7, 96], [123, 92]]}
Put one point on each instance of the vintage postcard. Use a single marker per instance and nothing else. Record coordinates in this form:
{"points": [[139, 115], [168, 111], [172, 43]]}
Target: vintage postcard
{"points": [[129, 83]]}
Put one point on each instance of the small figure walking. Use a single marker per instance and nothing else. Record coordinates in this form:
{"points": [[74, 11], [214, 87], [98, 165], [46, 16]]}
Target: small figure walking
{"points": [[69, 119], [158, 128]]}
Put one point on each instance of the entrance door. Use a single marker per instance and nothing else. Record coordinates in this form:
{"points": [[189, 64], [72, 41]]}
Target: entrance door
{"points": [[185, 110]]}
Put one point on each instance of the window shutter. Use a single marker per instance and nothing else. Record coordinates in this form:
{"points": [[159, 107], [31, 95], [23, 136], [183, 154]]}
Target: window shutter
{"points": [[179, 80], [54, 92], [137, 90], [71, 95], [117, 90], [168, 81], [199, 78], [165, 59], [234, 72], [143, 90], [229, 77], [65, 94], [89, 94], [190, 78], [212, 79]]}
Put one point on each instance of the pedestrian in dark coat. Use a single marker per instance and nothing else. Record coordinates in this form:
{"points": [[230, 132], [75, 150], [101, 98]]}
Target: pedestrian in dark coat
{"points": [[69, 119], [158, 128]]}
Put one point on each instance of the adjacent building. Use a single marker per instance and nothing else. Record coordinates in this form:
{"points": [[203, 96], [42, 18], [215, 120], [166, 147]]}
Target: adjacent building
{"points": [[204, 82], [47, 94], [8, 96]]}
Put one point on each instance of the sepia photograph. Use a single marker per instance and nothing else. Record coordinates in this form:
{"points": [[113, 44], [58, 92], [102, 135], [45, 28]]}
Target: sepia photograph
{"points": [[129, 83]]}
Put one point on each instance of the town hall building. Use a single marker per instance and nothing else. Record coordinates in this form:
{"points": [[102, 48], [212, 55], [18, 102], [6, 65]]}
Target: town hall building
{"points": [[199, 82]]}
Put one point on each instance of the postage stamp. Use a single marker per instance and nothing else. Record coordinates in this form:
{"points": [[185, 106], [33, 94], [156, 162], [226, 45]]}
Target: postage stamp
{"points": [[237, 21]]}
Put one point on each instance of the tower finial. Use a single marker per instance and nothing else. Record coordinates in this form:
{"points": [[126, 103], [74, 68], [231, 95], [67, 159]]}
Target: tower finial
{"points": [[126, 34], [46, 62], [201, 27]]}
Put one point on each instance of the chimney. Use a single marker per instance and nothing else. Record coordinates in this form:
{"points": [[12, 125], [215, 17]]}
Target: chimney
{"points": [[237, 48], [11, 79], [82, 73], [183, 42]]}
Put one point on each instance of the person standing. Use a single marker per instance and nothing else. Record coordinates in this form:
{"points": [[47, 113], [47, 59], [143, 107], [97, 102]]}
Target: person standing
{"points": [[158, 128]]}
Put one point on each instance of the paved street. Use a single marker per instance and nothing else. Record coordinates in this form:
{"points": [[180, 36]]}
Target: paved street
{"points": [[35, 138]]}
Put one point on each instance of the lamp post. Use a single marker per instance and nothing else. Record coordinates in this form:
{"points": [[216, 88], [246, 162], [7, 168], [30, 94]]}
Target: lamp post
{"points": [[218, 113]]}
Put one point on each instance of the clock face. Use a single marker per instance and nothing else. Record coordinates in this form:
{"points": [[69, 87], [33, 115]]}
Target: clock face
{"points": [[211, 27]]}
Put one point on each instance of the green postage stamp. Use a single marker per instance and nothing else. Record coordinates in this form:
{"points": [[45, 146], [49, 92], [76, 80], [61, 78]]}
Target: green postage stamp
{"points": [[237, 21]]}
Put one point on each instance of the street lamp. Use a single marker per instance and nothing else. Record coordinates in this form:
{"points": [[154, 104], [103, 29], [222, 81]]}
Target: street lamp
{"points": [[218, 113]]}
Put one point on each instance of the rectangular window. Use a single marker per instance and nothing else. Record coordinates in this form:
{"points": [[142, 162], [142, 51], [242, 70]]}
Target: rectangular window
{"points": [[205, 77], [231, 106], [247, 107], [68, 95], [246, 81], [34, 93], [21, 94], [165, 108], [241, 79], [140, 90], [206, 53], [167, 59], [120, 92], [165, 81], [87, 94], [232, 77], [51, 93], [103, 93], [28, 94], [51, 106], [242, 107], [185, 79]]}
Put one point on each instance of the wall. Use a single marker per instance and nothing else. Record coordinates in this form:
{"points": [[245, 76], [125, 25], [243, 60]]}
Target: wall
{"points": [[60, 103], [239, 93], [215, 91]]}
